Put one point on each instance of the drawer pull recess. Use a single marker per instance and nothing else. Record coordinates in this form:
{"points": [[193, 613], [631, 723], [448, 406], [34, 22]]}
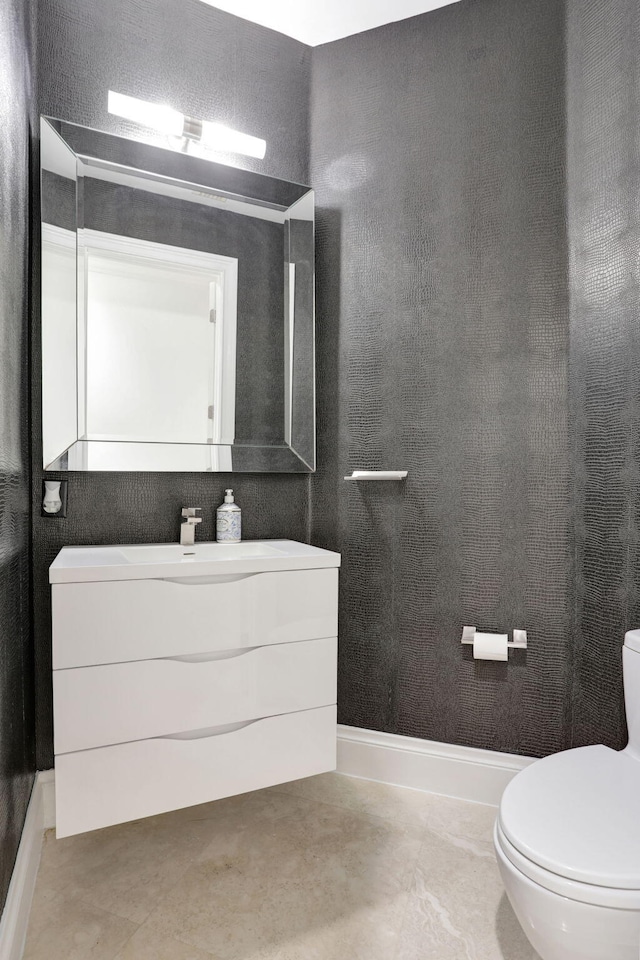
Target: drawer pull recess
{"points": [[213, 578], [210, 657], [209, 732]]}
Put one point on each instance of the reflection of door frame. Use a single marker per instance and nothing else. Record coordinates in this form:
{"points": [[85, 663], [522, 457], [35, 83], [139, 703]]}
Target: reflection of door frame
{"points": [[59, 397], [225, 297]]}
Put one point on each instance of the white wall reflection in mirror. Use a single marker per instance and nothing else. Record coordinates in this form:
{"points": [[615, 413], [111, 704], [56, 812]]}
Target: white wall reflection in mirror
{"points": [[160, 342]]}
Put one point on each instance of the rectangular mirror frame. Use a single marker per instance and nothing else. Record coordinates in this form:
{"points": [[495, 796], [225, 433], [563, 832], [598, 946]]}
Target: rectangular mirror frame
{"points": [[76, 152]]}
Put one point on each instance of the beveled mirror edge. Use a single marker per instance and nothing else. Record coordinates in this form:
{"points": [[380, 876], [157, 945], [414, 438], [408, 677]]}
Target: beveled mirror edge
{"points": [[197, 163], [98, 456]]}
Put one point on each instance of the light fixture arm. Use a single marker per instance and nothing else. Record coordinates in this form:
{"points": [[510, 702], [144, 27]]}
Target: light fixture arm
{"points": [[192, 129]]}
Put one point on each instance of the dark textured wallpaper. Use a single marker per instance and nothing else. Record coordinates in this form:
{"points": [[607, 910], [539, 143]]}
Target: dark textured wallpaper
{"points": [[438, 157], [207, 64], [16, 666], [603, 184]]}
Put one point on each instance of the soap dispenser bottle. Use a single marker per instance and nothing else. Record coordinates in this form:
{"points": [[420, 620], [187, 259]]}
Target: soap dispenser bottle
{"points": [[228, 520]]}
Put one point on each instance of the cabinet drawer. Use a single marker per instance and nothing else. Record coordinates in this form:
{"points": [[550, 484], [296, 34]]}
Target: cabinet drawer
{"points": [[140, 619], [114, 703], [97, 788]]}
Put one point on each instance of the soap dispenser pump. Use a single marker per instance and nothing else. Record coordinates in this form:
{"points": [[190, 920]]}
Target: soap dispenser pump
{"points": [[228, 520]]}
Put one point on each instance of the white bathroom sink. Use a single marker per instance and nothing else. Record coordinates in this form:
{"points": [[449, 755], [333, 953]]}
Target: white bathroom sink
{"points": [[174, 552], [171, 560]]}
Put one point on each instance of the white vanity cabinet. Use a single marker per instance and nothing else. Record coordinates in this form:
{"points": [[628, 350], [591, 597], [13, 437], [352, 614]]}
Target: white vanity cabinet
{"points": [[193, 675]]}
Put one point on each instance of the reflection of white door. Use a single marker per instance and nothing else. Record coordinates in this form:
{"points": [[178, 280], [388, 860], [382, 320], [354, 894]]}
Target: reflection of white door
{"points": [[160, 342]]}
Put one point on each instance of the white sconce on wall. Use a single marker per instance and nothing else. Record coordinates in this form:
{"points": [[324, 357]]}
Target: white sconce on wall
{"points": [[212, 136]]}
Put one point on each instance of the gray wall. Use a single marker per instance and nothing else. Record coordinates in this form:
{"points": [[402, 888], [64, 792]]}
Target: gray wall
{"points": [[603, 193], [438, 156], [16, 700], [207, 64]]}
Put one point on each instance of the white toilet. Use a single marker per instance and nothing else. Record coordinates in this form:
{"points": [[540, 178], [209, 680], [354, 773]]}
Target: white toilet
{"points": [[567, 840]]}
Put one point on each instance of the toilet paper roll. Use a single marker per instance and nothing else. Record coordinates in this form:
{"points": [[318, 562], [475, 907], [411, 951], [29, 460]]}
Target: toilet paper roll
{"points": [[490, 646]]}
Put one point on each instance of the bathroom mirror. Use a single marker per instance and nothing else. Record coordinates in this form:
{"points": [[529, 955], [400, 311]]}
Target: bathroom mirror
{"points": [[177, 310]]}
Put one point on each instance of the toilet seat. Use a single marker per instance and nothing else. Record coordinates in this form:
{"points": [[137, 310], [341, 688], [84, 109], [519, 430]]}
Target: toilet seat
{"points": [[589, 893], [570, 821]]}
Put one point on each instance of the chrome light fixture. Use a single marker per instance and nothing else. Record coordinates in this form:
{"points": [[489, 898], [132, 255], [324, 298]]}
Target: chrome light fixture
{"points": [[212, 136]]}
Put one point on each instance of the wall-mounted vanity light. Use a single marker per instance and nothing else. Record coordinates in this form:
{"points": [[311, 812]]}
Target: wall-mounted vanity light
{"points": [[212, 136]]}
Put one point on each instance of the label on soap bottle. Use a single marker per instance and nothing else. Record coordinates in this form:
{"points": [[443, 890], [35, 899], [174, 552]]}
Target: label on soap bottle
{"points": [[228, 526]]}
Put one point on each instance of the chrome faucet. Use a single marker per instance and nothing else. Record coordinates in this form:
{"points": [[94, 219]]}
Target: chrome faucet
{"points": [[188, 525]]}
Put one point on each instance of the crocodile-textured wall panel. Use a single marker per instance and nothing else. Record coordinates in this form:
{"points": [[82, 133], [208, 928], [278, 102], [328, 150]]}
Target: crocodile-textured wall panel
{"points": [[207, 64], [16, 667], [437, 153], [603, 92]]}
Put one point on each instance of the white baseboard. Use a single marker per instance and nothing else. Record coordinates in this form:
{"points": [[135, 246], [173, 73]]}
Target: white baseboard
{"points": [[47, 781], [442, 768], [15, 916]]}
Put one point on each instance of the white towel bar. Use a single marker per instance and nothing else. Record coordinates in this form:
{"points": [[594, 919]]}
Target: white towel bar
{"points": [[378, 475]]}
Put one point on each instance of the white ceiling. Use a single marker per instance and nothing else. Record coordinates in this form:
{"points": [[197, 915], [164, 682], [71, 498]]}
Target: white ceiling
{"points": [[320, 21]]}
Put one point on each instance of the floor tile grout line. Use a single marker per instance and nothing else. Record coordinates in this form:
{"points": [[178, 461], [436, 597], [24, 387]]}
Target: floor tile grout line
{"points": [[80, 899], [194, 946], [112, 913], [395, 820], [124, 945], [357, 813], [406, 906], [91, 906], [170, 888], [184, 943]]}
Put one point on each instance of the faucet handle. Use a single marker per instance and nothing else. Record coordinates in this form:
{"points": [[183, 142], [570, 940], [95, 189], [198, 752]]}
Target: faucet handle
{"points": [[190, 512]]}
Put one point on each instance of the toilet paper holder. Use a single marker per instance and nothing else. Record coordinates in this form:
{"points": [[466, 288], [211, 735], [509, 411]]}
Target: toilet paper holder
{"points": [[519, 641]]}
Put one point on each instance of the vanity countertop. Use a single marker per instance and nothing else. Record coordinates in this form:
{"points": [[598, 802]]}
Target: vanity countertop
{"points": [[171, 560]]}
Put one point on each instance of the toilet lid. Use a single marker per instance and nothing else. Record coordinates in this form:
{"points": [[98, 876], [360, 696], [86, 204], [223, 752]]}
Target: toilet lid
{"points": [[576, 814]]}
